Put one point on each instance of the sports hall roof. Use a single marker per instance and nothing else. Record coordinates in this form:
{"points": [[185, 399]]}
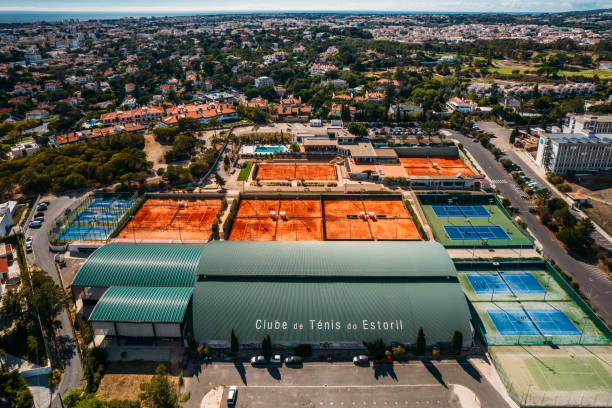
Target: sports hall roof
{"points": [[121, 264], [144, 304], [326, 259]]}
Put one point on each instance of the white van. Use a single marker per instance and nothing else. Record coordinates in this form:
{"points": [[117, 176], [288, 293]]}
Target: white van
{"points": [[231, 395]]}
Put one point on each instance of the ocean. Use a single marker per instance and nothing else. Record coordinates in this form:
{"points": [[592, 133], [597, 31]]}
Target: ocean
{"points": [[51, 16]]}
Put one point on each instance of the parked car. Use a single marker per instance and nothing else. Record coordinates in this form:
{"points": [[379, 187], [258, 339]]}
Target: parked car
{"points": [[257, 360], [35, 224], [45, 202], [232, 394], [276, 359], [39, 215], [295, 360], [41, 219], [29, 239], [361, 359], [41, 207]]}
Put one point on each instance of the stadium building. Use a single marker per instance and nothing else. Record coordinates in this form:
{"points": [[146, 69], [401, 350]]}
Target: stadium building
{"points": [[331, 294]]}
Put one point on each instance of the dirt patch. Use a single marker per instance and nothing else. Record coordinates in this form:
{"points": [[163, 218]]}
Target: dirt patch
{"points": [[155, 151], [122, 380], [598, 189]]}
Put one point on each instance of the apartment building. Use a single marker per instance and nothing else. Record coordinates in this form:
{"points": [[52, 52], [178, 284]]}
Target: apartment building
{"points": [[141, 116], [263, 81], [587, 123], [575, 152]]}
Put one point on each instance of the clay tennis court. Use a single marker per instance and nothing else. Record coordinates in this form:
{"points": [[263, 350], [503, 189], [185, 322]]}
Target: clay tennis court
{"points": [[434, 166], [253, 229], [347, 229], [342, 208], [306, 220], [299, 229], [172, 219], [295, 172]]}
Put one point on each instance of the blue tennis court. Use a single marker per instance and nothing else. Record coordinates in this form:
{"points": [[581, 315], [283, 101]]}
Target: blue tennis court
{"points": [[532, 322], [87, 233], [505, 283], [98, 216], [116, 203], [460, 211], [466, 232]]}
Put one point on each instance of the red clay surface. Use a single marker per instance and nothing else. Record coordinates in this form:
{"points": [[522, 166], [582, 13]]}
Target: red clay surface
{"points": [[303, 220], [295, 172], [308, 229], [347, 228], [301, 208], [435, 166], [165, 220], [252, 229], [386, 208], [342, 208], [257, 208], [392, 229]]}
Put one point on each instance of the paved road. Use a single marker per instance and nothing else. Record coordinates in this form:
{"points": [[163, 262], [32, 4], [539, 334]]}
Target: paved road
{"points": [[502, 141], [43, 258], [593, 283], [410, 384]]}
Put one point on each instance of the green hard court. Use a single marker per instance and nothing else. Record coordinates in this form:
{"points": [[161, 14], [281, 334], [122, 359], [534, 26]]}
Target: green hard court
{"points": [[499, 218], [569, 374]]}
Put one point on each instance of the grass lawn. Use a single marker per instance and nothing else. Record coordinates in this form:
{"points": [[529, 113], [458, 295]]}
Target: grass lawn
{"points": [[569, 374], [245, 171]]}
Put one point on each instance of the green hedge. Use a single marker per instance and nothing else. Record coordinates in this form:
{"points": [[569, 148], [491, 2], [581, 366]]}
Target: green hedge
{"points": [[244, 173], [227, 224]]}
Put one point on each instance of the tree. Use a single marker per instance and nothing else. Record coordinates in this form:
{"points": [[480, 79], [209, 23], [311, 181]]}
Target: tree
{"points": [[213, 123], [234, 344], [376, 348], [513, 135], [219, 180], [160, 392], [456, 342], [14, 390], [420, 343], [198, 169], [358, 129], [266, 347]]}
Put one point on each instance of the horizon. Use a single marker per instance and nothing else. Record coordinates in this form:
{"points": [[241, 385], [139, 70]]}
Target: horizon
{"points": [[189, 7]]}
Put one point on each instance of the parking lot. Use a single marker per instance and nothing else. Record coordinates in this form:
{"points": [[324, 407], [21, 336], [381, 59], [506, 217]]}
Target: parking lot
{"points": [[342, 384], [356, 396]]}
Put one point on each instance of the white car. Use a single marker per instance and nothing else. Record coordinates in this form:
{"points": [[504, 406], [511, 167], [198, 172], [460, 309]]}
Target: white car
{"points": [[276, 359], [231, 395]]}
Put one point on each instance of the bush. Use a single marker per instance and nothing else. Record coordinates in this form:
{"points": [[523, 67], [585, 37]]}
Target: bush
{"points": [[376, 348], [398, 350], [95, 364]]}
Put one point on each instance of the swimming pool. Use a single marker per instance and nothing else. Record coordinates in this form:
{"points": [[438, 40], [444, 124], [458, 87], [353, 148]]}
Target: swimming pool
{"points": [[269, 149]]}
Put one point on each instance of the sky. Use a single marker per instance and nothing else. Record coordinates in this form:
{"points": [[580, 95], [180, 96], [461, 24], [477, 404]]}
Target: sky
{"points": [[192, 6]]}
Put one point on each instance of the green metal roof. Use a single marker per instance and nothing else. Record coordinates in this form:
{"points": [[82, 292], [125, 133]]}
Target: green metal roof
{"points": [[326, 258], [222, 304], [123, 264], [144, 304]]}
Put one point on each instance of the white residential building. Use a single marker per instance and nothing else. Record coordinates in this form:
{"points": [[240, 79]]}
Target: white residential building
{"points": [[263, 81], [587, 123], [7, 212], [575, 152], [24, 149], [460, 105]]}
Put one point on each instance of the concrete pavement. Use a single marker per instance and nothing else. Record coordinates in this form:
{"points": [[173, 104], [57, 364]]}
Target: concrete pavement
{"points": [[415, 383], [593, 283]]}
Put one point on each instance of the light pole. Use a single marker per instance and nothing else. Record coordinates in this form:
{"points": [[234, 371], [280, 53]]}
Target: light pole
{"points": [[547, 286], [178, 218], [133, 232]]}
